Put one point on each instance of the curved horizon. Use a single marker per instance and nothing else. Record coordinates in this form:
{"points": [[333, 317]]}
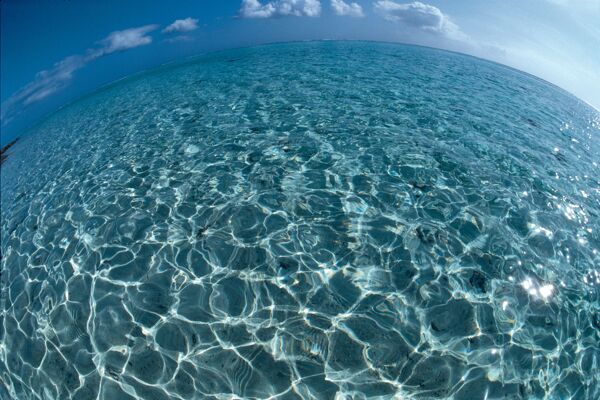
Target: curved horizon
{"points": [[188, 59], [45, 67]]}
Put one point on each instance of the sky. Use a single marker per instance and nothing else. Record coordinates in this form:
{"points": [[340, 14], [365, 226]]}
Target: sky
{"points": [[55, 51]]}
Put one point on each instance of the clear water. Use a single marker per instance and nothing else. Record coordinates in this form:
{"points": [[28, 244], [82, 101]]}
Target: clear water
{"points": [[306, 221]]}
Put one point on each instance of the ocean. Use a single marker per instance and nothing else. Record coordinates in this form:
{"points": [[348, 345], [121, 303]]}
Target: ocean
{"points": [[320, 220]]}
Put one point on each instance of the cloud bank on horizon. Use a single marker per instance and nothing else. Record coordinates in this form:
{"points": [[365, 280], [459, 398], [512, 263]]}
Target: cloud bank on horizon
{"points": [[415, 21], [340, 7], [421, 16], [279, 8]]}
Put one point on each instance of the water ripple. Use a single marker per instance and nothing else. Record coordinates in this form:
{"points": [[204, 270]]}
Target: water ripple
{"points": [[315, 220]]}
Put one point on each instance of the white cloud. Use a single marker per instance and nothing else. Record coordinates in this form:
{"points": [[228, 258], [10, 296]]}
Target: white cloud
{"points": [[46, 82], [182, 25], [340, 7], [254, 9], [59, 76], [127, 39], [421, 16], [278, 8]]}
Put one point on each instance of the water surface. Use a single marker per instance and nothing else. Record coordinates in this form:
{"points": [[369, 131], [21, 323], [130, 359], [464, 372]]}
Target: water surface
{"points": [[306, 221]]}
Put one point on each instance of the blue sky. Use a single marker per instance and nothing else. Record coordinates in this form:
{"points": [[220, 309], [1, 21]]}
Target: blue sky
{"points": [[54, 51]]}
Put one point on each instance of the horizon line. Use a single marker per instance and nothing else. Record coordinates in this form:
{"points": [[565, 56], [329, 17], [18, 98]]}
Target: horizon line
{"points": [[187, 59]]}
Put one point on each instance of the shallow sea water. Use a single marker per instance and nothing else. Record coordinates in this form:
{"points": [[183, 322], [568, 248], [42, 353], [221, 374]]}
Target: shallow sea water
{"points": [[308, 220]]}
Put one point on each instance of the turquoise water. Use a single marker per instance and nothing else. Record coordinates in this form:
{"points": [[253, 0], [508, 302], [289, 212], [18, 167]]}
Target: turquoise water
{"points": [[306, 221]]}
